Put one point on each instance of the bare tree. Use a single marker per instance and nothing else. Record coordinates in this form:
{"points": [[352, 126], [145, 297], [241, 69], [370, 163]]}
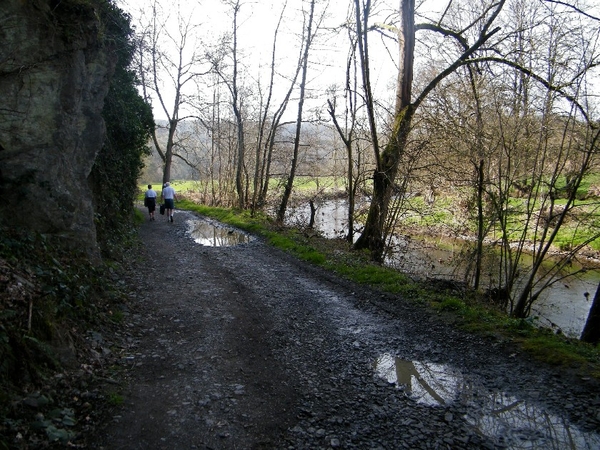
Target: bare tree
{"points": [[347, 132], [225, 63], [268, 126], [389, 159], [528, 148], [562, 154], [167, 69], [308, 35], [262, 129]]}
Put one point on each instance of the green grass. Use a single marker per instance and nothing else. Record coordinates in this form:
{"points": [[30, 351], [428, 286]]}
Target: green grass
{"points": [[582, 224], [179, 186], [443, 214], [588, 181], [138, 216], [307, 184], [558, 351], [451, 304], [304, 185], [386, 279], [115, 399]]}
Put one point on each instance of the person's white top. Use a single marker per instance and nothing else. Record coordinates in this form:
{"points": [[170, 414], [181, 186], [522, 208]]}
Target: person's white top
{"points": [[168, 193], [151, 193]]}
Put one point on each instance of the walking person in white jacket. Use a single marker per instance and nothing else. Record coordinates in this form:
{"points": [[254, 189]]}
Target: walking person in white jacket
{"points": [[169, 197]]}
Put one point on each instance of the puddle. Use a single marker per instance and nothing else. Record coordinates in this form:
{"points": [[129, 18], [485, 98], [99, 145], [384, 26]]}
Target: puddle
{"points": [[429, 384], [511, 422], [215, 234]]}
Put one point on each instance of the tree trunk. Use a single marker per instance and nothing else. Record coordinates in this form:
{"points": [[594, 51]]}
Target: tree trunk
{"points": [[313, 213], [239, 172], [237, 112], [351, 197], [480, 225], [383, 189], [591, 331], [264, 141], [350, 173], [266, 170], [167, 169], [387, 166], [168, 157], [290, 181]]}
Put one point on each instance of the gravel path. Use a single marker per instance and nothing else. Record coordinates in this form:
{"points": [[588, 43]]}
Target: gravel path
{"points": [[245, 347]]}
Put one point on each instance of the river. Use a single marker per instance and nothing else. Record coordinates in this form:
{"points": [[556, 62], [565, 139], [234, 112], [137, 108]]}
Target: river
{"points": [[563, 306]]}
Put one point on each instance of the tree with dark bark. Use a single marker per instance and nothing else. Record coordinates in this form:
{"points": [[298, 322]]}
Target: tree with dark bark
{"points": [[268, 126], [308, 34], [232, 82], [387, 162], [591, 331], [384, 178]]}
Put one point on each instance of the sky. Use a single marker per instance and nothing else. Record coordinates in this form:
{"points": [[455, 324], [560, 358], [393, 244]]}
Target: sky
{"points": [[257, 22], [258, 19]]}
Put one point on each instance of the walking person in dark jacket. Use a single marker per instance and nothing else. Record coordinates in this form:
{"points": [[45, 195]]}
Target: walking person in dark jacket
{"points": [[150, 201]]}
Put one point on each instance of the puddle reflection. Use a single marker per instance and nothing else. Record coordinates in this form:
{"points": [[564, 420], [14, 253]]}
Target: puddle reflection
{"points": [[511, 422], [211, 235], [430, 384]]}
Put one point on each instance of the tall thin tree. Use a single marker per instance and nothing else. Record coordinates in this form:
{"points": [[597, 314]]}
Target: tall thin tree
{"points": [[308, 39]]}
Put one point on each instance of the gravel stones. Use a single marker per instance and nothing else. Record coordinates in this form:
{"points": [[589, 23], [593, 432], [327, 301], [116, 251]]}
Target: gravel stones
{"points": [[246, 347]]}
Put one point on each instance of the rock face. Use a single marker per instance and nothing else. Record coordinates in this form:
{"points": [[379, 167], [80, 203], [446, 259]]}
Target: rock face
{"points": [[54, 76]]}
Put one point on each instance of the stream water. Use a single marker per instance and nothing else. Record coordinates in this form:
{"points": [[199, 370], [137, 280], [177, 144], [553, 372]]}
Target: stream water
{"points": [[563, 306]]}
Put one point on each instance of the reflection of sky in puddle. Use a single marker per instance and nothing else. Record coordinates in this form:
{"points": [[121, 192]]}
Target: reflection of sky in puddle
{"points": [[511, 422], [210, 235]]}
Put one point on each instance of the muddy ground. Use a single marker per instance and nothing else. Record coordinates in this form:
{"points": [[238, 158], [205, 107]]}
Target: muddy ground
{"points": [[245, 347]]}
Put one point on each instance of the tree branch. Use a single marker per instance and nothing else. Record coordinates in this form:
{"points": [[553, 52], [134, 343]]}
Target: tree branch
{"points": [[575, 8], [539, 79]]}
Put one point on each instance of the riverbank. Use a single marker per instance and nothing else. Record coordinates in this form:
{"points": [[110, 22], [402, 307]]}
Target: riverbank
{"points": [[443, 296], [432, 253]]}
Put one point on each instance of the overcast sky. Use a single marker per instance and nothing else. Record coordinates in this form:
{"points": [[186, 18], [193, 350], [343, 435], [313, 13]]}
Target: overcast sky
{"points": [[256, 26]]}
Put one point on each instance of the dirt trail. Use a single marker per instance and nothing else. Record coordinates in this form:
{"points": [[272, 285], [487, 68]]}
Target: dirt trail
{"points": [[246, 348]]}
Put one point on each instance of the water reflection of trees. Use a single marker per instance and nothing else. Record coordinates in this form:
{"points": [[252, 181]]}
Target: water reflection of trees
{"points": [[426, 383], [206, 234], [506, 419], [525, 426]]}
